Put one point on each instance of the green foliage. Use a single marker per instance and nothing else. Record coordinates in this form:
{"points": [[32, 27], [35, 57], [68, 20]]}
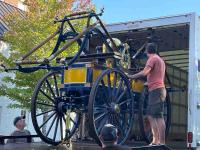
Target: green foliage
{"points": [[28, 31]]}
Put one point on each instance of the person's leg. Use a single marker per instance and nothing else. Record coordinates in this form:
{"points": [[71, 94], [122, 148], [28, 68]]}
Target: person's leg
{"points": [[160, 120], [155, 111], [161, 129], [154, 130]]}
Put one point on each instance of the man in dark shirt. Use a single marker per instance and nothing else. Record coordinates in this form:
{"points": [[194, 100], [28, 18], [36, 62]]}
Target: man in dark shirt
{"points": [[108, 137], [19, 123]]}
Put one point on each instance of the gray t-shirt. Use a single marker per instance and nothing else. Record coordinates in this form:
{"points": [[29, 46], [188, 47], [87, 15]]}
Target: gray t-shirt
{"points": [[19, 133]]}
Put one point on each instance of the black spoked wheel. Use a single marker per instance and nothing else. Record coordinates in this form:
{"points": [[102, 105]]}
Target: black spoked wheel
{"points": [[145, 127], [111, 102], [51, 120]]}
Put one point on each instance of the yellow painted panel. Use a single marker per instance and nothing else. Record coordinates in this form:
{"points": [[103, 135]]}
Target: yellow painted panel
{"points": [[137, 85], [97, 72], [75, 75]]}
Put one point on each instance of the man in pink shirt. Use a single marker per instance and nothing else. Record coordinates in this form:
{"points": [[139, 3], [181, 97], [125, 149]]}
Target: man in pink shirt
{"points": [[155, 72]]}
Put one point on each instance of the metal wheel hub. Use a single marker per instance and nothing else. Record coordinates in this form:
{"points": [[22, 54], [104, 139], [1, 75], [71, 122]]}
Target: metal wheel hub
{"points": [[114, 108], [60, 108]]}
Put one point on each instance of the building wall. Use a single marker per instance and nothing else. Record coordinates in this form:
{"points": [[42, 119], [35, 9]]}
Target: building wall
{"points": [[16, 3], [7, 114], [12, 2]]}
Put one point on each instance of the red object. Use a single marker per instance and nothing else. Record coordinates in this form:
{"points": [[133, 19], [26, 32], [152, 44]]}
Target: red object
{"points": [[190, 137]]}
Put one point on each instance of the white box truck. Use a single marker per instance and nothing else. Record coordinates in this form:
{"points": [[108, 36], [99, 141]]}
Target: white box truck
{"points": [[180, 48]]}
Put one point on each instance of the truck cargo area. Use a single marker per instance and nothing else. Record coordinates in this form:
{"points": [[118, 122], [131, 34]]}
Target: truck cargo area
{"points": [[177, 44]]}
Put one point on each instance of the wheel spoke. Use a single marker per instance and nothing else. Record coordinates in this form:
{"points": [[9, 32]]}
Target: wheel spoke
{"points": [[45, 112], [45, 104], [112, 120], [47, 96], [73, 121], [56, 128], [122, 118], [99, 117], [109, 87], [118, 124], [104, 89], [121, 96], [50, 88], [126, 111], [56, 85], [100, 106], [64, 119], [98, 109], [114, 86], [126, 101], [97, 113], [118, 89], [47, 120], [51, 125], [103, 107], [61, 127], [104, 92], [102, 123]]}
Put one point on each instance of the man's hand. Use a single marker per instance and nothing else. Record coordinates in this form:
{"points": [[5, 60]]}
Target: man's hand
{"points": [[131, 76]]}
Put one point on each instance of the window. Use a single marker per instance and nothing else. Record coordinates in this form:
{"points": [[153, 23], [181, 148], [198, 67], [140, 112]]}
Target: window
{"points": [[21, 5]]}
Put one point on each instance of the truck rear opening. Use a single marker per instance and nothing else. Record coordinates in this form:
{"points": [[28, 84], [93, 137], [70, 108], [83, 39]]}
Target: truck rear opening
{"points": [[179, 46]]}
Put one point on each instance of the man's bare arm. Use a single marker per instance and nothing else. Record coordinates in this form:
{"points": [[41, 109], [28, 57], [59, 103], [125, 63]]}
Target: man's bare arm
{"points": [[142, 73]]}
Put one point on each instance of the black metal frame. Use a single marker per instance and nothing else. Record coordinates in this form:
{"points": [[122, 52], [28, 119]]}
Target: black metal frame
{"points": [[28, 137], [71, 37]]}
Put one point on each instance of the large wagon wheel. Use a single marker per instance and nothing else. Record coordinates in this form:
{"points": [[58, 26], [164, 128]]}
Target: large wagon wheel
{"points": [[111, 102], [52, 122], [145, 128]]}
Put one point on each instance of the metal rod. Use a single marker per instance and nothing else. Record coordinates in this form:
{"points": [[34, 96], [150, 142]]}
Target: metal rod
{"points": [[78, 13], [74, 18], [139, 50], [109, 36], [70, 42], [40, 45]]}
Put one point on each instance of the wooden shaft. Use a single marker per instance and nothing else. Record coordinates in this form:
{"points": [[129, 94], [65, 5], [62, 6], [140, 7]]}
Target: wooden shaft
{"points": [[78, 13], [69, 43], [40, 45], [26, 62]]}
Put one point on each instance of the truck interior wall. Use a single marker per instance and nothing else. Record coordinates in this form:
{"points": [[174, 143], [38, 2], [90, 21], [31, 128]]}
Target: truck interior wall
{"points": [[178, 98]]}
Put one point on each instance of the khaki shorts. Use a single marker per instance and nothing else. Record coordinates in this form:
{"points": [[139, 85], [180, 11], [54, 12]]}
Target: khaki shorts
{"points": [[156, 110], [156, 100]]}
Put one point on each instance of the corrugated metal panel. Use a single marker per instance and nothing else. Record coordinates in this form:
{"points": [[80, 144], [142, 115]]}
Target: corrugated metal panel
{"points": [[7, 9]]}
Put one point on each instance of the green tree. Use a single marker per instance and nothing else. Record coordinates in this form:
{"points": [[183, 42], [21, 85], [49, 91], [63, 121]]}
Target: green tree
{"points": [[28, 31]]}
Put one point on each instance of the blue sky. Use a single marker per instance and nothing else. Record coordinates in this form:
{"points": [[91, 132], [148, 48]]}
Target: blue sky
{"points": [[127, 10]]}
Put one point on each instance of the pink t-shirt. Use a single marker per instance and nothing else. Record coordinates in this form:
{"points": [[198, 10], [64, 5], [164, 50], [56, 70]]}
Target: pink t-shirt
{"points": [[155, 79]]}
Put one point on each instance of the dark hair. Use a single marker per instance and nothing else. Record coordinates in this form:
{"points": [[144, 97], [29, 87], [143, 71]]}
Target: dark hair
{"points": [[17, 119], [151, 48], [109, 133]]}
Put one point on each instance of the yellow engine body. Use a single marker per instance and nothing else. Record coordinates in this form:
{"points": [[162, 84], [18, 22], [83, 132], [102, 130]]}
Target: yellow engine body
{"points": [[137, 85], [84, 73], [87, 73]]}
